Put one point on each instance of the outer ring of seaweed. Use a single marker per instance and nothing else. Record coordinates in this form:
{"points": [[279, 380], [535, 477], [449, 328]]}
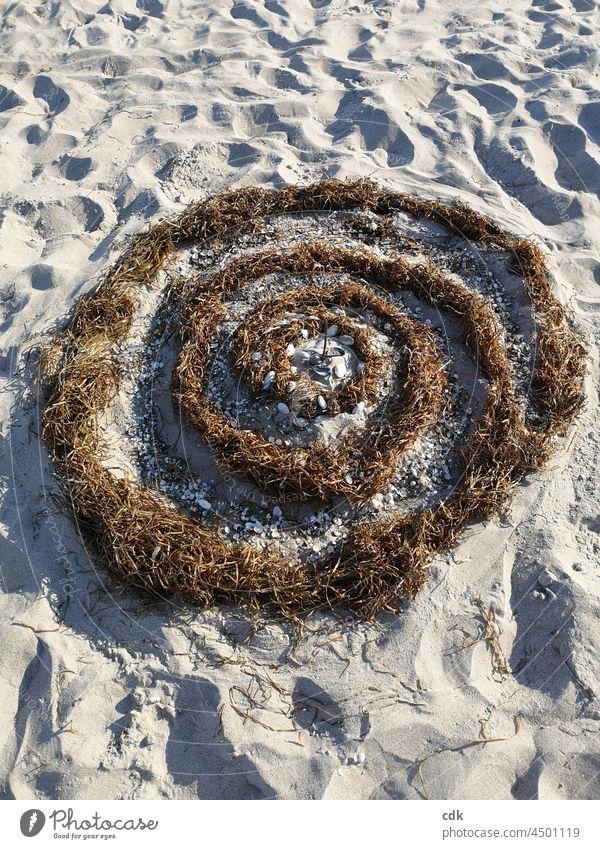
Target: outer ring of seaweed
{"points": [[148, 544]]}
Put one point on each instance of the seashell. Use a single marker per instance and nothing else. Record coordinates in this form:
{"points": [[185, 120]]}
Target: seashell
{"points": [[290, 350], [321, 402], [346, 340], [283, 408], [256, 357], [339, 370], [332, 331], [268, 380]]}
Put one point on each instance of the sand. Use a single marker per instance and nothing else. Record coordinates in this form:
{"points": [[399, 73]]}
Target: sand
{"points": [[113, 116]]}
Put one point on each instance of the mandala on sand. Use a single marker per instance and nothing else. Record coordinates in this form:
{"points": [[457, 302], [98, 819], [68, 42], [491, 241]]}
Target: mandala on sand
{"points": [[295, 398]]}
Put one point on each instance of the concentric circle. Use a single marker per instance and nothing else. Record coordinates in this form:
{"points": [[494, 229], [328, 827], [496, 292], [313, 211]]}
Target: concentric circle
{"points": [[365, 464], [323, 337]]}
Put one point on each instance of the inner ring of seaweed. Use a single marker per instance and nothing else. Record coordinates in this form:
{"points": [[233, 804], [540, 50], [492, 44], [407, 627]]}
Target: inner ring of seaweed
{"points": [[259, 330], [318, 471]]}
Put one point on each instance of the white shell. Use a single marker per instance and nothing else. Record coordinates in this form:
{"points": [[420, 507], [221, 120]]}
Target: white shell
{"points": [[545, 579], [256, 356], [290, 350], [346, 340], [283, 408], [332, 331], [321, 402], [269, 378], [339, 370]]}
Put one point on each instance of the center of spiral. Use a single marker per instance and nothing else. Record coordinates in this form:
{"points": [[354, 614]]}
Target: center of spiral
{"points": [[327, 360]]}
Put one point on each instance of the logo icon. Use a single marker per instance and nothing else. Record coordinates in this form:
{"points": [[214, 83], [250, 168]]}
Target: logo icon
{"points": [[32, 822]]}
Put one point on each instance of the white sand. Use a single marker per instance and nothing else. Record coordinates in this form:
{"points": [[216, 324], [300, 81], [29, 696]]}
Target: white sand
{"points": [[113, 116]]}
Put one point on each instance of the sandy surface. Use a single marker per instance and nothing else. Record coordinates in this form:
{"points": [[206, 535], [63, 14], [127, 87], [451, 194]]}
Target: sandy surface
{"points": [[113, 115]]}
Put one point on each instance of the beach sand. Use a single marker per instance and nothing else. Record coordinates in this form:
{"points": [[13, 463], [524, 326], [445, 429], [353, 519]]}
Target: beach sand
{"points": [[113, 116]]}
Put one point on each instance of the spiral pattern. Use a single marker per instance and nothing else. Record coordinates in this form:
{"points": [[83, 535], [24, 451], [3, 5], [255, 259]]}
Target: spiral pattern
{"points": [[357, 375]]}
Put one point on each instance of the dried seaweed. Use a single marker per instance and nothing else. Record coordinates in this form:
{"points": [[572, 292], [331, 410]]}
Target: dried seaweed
{"points": [[149, 545]]}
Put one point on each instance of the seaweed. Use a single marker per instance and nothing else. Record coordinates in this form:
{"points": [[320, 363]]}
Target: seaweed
{"points": [[149, 545]]}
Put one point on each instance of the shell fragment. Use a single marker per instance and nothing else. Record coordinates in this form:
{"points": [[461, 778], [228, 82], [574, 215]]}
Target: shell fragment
{"points": [[268, 380]]}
